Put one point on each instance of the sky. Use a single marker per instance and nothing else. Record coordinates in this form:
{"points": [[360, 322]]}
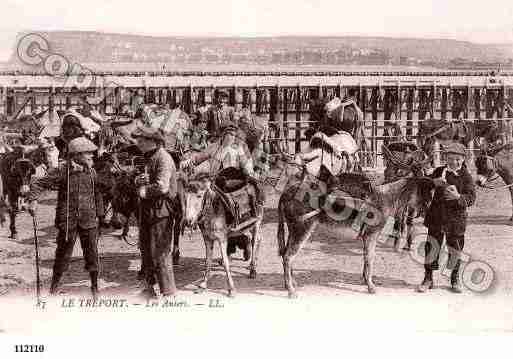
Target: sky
{"points": [[489, 21]]}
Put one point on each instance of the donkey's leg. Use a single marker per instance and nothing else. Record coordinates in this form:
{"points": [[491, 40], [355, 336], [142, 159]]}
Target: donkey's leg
{"points": [[176, 240], [511, 194], [298, 235], [410, 229], [209, 246], [223, 244], [255, 241], [12, 224], [369, 250]]}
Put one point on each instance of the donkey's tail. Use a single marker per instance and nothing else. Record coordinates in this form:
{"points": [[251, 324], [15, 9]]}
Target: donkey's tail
{"points": [[282, 245]]}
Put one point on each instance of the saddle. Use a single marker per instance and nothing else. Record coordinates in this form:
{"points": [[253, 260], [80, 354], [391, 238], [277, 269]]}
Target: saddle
{"points": [[237, 195]]}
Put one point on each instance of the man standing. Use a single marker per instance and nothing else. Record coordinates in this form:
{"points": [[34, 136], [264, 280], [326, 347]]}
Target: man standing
{"points": [[79, 208], [223, 114], [447, 215], [157, 193]]}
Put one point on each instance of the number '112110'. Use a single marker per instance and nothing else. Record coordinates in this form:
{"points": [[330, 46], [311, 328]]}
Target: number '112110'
{"points": [[25, 348]]}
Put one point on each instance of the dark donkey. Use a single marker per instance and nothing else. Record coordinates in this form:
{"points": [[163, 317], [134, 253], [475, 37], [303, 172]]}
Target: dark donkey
{"points": [[17, 169], [354, 196], [125, 204], [494, 163], [404, 159]]}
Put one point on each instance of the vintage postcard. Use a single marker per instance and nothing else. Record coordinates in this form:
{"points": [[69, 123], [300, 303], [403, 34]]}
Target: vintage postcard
{"points": [[241, 178]]}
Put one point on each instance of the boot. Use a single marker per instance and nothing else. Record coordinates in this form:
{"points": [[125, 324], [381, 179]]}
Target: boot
{"points": [[248, 250], [56, 278], [231, 247], [455, 279], [94, 284], [427, 283]]}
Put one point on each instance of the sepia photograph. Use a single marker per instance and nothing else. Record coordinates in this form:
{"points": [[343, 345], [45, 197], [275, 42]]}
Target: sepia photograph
{"points": [[254, 178]]}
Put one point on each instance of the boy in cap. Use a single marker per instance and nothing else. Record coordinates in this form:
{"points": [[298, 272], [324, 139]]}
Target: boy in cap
{"points": [[79, 208], [157, 191], [447, 215]]}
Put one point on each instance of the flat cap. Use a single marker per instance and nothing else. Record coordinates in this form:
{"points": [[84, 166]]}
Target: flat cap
{"points": [[456, 148]]}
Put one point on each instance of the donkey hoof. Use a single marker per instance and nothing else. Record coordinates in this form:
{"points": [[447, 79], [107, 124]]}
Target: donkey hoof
{"points": [[511, 219], [252, 273], [199, 290], [176, 258], [14, 236], [372, 290], [293, 295], [232, 293]]}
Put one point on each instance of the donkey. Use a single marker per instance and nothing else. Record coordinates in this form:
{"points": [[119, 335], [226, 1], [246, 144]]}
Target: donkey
{"points": [[382, 202], [206, 208], [16, 169], [404, 159], [494, 163]]}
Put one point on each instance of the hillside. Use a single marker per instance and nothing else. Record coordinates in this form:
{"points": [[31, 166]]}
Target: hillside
{"points": [[96, 47]]}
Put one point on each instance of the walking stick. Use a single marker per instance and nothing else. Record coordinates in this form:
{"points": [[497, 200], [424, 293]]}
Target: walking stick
{"points": [[36, 243]]}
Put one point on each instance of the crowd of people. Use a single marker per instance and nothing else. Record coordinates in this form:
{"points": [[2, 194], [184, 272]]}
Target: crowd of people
{"points": [[219, 140]]}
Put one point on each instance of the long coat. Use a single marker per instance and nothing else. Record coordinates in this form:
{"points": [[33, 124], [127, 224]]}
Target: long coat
{"points": [[451, 216], [85, 198], [162, 189]]}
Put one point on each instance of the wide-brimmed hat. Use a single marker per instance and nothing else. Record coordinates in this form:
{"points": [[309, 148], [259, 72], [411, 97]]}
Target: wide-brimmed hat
{"points": [[149, 133], [81, 144], [455, 148]]}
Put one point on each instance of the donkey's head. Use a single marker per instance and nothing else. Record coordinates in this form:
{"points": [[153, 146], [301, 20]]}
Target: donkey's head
{"points": [[486, 169], [197, 196]]}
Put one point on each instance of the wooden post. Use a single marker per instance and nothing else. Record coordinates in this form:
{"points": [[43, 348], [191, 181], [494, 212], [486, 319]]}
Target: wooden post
{"points": [[477, 103], [299, 109], [284, 124], [33, 104], [444, 103], [258, 101], [246, 98], [468, 101], [171, 97], [233, 96], [338, 90], [488, 104], [10, 102], [51, 91], [201, 97], [68, 99], [374, 102], [189, 100], [117, 100], [409, 113]]}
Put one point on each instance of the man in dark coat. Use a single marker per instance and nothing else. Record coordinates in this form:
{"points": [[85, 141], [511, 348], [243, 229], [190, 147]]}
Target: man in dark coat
{"points": [[447, 215], [79, 208], [157, 192], [223, 114]]}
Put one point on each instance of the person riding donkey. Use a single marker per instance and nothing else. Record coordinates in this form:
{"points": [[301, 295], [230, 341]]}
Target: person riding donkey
{"points": [[333, 146], [158, 200], [78, 212], [230, 162]]}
